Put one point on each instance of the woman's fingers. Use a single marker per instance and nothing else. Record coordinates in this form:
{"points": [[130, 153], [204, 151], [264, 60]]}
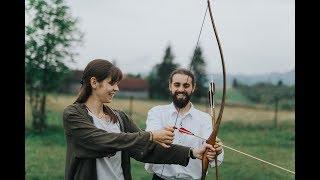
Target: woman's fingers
{"points": [[164, 145], [169, 128]]}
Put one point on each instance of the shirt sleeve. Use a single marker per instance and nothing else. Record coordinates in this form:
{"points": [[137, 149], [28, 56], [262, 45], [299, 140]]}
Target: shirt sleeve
{"points": [[153, 121], [206, 127], [219, 160]]}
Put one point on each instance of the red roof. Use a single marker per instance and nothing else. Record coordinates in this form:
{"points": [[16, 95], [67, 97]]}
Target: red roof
{"points": [[133, 84]]}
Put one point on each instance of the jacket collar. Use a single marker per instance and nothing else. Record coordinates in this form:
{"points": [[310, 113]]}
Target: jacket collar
{"points": [[84, 111]]}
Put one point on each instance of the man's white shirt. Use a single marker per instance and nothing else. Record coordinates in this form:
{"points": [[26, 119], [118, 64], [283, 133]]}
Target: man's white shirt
{"points": [[194, 120]]}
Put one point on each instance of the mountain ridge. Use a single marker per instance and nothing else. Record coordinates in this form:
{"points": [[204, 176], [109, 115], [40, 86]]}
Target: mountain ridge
{"points": [[287, 78]]}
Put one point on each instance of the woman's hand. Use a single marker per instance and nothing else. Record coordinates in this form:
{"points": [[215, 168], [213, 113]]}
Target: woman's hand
{"points": [[164, 136]]}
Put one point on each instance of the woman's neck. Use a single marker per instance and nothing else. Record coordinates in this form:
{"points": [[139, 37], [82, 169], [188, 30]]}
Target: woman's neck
{"points": [[94, 105]]}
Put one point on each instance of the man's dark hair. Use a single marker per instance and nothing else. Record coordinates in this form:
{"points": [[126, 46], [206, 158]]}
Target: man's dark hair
{"points": [[185, 72]]}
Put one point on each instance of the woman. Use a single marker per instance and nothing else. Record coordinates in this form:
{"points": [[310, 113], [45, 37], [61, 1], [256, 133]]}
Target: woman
{"points": [[101, 140]]}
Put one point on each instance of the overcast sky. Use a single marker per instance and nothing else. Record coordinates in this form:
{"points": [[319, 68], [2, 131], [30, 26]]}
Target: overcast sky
{"points": [[257, 36]]}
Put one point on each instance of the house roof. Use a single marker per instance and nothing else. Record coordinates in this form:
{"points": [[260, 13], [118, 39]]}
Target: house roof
{"points": [[133, 84], [126, 84]]}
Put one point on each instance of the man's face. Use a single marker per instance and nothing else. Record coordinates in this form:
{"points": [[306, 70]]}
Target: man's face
{"points": [[181, 89]]}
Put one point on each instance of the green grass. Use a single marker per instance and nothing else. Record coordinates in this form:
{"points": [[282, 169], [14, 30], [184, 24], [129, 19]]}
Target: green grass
{"points": [[234, 96], [45, 152]]}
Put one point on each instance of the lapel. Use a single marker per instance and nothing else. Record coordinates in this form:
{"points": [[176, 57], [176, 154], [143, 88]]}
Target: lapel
{"points": [[83, 110], [118, 117]]}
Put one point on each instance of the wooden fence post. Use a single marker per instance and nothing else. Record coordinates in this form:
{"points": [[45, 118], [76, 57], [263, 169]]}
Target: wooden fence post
{"points": [[130, 106], [276, 112]]}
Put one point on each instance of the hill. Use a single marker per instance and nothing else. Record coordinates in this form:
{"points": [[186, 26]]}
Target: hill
{"points": [[288, 78]]}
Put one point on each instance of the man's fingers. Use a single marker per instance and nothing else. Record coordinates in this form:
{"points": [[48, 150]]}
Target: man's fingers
{"points": [[209, 146], [210, 157], [211, 153]]}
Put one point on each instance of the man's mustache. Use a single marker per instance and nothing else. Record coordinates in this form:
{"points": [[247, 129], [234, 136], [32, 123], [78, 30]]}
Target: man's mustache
{"points": [[177, 93]]}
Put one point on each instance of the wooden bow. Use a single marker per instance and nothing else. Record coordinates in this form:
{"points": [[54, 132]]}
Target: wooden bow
{"points": [[212, 138]]}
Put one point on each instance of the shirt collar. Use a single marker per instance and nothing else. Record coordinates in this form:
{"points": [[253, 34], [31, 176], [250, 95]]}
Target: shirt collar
{"points": [[173, 110]]}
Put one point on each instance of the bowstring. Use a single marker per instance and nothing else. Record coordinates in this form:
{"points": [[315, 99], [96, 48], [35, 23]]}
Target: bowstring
{"points": [[197, 45]]}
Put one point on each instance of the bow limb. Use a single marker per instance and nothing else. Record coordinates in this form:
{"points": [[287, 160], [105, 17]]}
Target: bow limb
{"points": [[212, 138]]}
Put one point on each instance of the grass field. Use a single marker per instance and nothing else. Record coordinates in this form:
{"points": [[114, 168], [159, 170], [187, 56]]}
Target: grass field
{"points": [[246, 129]]}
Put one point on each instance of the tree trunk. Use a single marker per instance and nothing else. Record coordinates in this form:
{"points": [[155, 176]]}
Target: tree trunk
{"points": [[36, 122], [43, 111], [38, 106]]}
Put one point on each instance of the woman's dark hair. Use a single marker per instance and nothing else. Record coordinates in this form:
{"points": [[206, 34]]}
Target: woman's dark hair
{"points": [[100, 69]]}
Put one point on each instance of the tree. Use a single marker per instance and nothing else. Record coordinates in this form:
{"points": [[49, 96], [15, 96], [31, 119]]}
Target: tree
{"points": [[198, 66], [158, 78], [50, 38], [138, 75], [152, 79], [235, 83]]}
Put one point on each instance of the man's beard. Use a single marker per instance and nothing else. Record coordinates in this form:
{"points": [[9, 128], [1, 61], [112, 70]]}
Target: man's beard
{"points": [[180, 102]]}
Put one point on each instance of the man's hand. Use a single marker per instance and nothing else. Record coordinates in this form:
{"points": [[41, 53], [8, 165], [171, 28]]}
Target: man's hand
{"points": [[164, 136], [198, 152], [218, 146], [212, 152]]}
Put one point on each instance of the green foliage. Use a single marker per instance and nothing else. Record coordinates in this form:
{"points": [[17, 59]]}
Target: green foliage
{"points": [[134, 75], [198, 66], [159, 76], [234, 83], [50, 37], [268, 93]]}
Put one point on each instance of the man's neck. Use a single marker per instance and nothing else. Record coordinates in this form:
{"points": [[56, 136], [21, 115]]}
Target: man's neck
{"points": [[184, 110]]}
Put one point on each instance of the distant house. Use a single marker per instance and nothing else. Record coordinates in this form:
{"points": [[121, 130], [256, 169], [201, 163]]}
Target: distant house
{"points": [[135, 87], [129, 86]]}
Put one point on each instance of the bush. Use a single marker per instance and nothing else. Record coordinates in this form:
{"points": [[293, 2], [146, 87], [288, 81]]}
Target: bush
{"points": [[268, 93]]}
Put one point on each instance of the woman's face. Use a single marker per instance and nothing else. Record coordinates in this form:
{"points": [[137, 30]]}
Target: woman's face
{"points": [[104, 91]]}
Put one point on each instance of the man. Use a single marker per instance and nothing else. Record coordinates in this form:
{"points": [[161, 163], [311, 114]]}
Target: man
{"points": [[181, 113]]}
